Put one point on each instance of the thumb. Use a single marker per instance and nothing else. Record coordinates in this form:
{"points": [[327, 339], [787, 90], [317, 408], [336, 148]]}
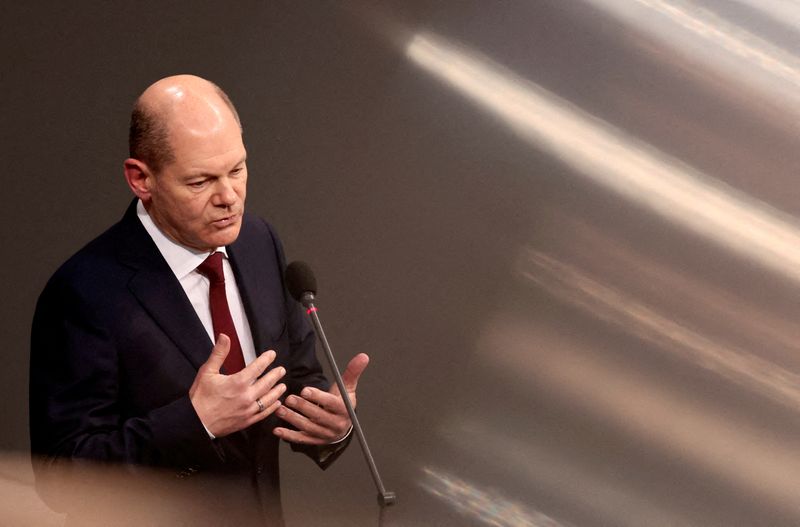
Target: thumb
{"points": [[218, 353], [355, 368]]}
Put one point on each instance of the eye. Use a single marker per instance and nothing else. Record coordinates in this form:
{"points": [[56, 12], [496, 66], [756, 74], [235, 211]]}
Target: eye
{"points": [[198, 184], [236, 171]]}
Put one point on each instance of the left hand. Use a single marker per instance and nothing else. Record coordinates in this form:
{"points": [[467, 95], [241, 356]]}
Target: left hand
{"points": [[321, 417]]}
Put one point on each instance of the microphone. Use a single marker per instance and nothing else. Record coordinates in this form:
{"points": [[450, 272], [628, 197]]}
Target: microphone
{"points": [[302, 286], [300, 282]]}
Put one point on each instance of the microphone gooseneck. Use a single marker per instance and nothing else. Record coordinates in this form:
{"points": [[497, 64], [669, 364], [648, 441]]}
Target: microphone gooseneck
{"points": [[302, 285]]}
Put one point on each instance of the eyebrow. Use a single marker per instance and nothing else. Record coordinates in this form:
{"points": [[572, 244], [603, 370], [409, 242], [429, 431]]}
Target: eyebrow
{"points": [[212, 174]]}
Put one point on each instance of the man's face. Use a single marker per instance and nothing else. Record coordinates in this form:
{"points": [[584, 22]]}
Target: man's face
{"points": [[198, 199]]}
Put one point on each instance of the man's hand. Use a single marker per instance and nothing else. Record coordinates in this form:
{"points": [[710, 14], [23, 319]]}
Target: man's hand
{"points": [[321, 417], [227, 403]]}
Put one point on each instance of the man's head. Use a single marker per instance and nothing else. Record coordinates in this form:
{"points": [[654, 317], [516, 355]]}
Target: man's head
{"points": [[187, 161]]}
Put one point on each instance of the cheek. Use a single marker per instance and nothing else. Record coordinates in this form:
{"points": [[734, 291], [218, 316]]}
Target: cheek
{"points": [[196, 208]]}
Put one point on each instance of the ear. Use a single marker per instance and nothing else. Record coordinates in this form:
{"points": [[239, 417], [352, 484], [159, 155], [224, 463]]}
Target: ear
{"points": [[139, 178]]}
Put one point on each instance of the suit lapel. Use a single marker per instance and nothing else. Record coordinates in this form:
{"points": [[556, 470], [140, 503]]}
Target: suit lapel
{"points": [[158, 291], [249, 264]]}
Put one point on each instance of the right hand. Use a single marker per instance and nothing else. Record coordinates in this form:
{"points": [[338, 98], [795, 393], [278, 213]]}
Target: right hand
{"points": [[227, 403]]}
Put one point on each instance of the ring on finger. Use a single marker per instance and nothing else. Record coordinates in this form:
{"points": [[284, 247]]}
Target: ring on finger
{"points": [[261, 406]]}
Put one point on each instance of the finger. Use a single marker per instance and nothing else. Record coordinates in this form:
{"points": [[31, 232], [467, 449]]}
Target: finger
{"points": [[355, 368], [309, 430], [325, 417], [218, 353], [265, 383], [304, 424], [260, 415], [330, 402], [253, 371], [272, 395], [293, 436]]}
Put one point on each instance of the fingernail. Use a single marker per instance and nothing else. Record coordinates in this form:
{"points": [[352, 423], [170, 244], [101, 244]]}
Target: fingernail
{"points": [[282, 370], [282, 387], [291, 400], [306, 392], [281, 411]]}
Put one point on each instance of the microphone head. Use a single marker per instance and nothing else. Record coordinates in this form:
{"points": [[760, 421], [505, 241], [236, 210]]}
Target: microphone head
{"points": [[299, 280]]}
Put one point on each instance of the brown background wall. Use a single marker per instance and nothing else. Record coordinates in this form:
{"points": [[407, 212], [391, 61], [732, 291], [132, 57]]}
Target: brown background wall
{"points": [[543, 345]]}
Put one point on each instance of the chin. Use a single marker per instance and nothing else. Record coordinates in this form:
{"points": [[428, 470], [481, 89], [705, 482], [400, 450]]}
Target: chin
{"points": [[227, 237]]}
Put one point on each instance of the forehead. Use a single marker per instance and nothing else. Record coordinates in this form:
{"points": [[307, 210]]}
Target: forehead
{"points": [[214, 148]]}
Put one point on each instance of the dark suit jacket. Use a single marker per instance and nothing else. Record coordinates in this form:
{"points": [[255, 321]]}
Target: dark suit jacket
{"points": [[115, 347]]}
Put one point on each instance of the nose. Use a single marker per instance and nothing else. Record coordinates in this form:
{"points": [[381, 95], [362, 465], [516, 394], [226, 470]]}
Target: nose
{"points": [[225, 195]]}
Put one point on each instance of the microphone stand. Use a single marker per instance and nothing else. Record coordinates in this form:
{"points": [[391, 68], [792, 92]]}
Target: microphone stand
{"points": [[385, 498]]}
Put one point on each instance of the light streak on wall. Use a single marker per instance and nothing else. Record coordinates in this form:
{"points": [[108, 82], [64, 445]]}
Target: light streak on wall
{"points": [[556, 470], [722, 45], [609, 259], [488, 506], [602, 301], [642, 405], [616, 161], [783, 11]]}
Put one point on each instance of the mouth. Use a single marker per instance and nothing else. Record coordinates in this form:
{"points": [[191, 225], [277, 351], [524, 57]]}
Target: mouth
{"points": [[227, 221]]}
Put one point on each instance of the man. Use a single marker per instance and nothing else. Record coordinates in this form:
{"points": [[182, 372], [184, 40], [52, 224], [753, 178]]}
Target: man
{"points": [[170, 341]]}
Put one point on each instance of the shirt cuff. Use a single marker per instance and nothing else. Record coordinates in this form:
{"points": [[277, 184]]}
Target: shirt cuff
{"points": [[338, 440], [212, 436]]}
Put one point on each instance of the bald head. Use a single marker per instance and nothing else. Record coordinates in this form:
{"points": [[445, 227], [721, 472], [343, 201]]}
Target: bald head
{"points": [[180, 104]]}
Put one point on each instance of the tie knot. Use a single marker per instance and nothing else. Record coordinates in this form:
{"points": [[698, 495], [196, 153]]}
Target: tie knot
{"points": [[211, 268]]}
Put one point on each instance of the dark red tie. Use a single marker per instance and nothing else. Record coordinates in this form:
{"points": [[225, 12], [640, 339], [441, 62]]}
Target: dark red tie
{"points": [[220, 313]]}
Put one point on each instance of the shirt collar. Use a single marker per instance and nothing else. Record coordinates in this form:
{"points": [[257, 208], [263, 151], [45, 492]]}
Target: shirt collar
{"points": [[181, 259]]}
